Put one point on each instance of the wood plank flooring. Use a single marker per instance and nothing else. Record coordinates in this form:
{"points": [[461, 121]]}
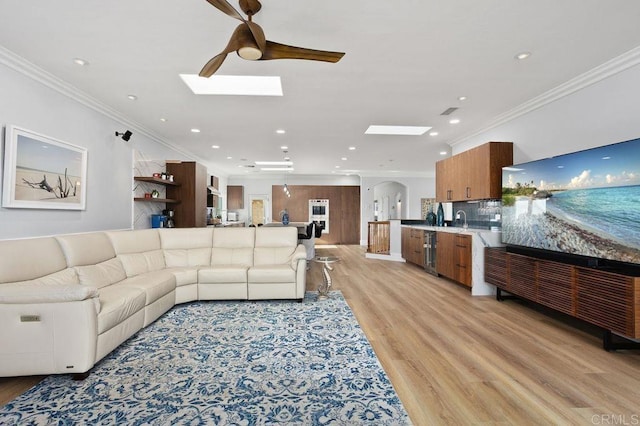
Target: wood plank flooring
{"points": [[456, 359]]}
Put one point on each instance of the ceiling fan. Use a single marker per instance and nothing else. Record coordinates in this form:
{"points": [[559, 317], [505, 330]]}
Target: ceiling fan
{"points": [[249, 42]]}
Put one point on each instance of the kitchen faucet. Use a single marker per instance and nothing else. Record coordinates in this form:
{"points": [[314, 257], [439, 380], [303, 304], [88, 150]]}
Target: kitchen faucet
{"points": [[465, 226]]}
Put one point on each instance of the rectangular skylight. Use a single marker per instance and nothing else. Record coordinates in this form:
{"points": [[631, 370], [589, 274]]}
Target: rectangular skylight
{"points": [[397, 130], [248, 85], [274, 163]]}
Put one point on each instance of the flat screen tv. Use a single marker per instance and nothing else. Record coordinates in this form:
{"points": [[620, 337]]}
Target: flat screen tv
{"points": [[582, 207]]}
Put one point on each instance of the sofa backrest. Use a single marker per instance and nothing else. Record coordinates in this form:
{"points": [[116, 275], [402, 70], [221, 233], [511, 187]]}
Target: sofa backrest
{"points": [[274, 244], [138, 250], [93, 257], [233, 246], [186, 246], [23, 260]]}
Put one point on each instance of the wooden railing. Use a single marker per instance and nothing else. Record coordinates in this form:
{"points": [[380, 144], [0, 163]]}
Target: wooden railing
{"points": [[379, 241]]}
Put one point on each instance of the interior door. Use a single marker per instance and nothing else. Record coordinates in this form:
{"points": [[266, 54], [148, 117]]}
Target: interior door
{"points": [[259, 210]]}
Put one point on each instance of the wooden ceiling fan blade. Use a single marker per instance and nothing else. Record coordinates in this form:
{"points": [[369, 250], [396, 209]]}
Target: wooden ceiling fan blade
{"points": [[225, 7], [258, 35], [212, 66], [282, 51], [250, 7]]}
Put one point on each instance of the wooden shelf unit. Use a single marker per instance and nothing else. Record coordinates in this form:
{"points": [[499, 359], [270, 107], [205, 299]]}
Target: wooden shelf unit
{"points": [[606, 299], [156, 180], [157, 200]]}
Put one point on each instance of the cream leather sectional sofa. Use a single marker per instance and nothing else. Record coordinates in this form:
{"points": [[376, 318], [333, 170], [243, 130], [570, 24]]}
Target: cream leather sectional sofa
{"points": [[67, 301]]}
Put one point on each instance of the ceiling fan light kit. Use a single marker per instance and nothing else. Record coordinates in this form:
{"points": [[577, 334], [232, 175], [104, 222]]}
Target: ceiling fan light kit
{"points": [[249, 42]]}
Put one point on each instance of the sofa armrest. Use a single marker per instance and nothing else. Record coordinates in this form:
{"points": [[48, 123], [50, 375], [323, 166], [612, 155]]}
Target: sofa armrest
{"points": [[21, 293], [300, 253]]}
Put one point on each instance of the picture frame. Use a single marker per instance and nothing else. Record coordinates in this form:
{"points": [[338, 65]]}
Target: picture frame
{"points": [[41, 172]]}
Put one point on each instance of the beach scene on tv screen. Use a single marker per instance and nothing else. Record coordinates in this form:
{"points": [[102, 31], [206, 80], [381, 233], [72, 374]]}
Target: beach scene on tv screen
{"points": [[585, 203]]}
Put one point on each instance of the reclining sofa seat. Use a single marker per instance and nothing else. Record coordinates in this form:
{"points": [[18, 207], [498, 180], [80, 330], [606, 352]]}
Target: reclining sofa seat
{"points": [[44, 311]]}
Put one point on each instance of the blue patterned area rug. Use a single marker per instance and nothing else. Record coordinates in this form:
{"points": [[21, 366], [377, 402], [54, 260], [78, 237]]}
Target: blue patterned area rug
{"points": [[228, 363]]}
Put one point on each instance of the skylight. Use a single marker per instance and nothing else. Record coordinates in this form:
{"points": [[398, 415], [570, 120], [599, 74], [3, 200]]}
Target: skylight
{"points": [[233, 85], [397, 130]]}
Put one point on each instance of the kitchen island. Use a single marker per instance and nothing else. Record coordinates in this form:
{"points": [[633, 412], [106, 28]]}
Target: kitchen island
{"points": [[449, 260]]}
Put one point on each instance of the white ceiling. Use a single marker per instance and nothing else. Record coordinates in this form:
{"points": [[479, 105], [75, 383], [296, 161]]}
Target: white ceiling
{"points": [[406, 62]]}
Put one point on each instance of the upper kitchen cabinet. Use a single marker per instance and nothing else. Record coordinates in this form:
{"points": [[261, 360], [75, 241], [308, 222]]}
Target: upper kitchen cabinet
{"points": [[235, 197], [475, 174]]}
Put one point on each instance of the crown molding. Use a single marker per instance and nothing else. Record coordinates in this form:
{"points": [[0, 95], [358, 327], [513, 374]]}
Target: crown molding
{"points": [[28, 69], [614, 66]]}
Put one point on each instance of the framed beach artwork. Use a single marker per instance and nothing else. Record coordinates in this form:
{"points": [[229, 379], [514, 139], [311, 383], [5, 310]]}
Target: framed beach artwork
{"points": [[42, 173]]}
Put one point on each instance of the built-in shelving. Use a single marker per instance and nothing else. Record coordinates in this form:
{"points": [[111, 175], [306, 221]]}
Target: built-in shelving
{"points": [[158, 181], [157, 200]]}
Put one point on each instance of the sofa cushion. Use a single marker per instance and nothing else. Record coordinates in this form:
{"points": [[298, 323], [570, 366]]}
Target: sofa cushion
{"points": [[222, 274], [86, 249], [233, 246], [30, 292], [141, 263], [184, 276], [272, 274], [154, 284], [117, 303], [186, 246], [102, 274], [275, 245], [139, 251], [22, 260]]}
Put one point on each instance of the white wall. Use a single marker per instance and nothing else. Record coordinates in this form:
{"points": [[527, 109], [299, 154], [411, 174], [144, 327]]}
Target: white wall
{"points": [[601, 114], [32, 105], [416, 188]]}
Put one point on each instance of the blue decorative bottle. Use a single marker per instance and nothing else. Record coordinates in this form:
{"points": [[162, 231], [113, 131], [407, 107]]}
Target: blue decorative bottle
{"points": [[440, 215], [285, 217]]}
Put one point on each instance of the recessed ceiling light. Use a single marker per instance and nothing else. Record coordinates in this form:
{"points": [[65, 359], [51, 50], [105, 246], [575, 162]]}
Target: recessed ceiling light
{"points": [[287, 158], [433, 134], [462, 98], [523, 55], [454, 121], [132, 97], [344, 158], [284, 147], [164, 120], [337, 167], [195, 130], [274, 163], [80, 61], [276, 169], [281, 131], [233, 85], [396, 130], [229, 158], [215, 146], [443, 152], [352, 148]]}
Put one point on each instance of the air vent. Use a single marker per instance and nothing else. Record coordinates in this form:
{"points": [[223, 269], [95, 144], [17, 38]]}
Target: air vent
{"points": [[449, 111]]}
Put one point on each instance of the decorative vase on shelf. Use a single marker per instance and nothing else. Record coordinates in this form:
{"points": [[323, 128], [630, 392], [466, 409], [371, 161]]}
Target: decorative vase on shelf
{"points": [[440, 215]]}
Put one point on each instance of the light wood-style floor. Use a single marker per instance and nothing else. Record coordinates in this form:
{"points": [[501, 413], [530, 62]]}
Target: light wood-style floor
{"points": [[456, 359]]}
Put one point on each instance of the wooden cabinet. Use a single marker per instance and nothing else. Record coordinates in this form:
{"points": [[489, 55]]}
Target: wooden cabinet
{"points": [[192, 193], [235, 197], [213, 199], [453, 257], [603, 298], [412, 245], [475, 174]]}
